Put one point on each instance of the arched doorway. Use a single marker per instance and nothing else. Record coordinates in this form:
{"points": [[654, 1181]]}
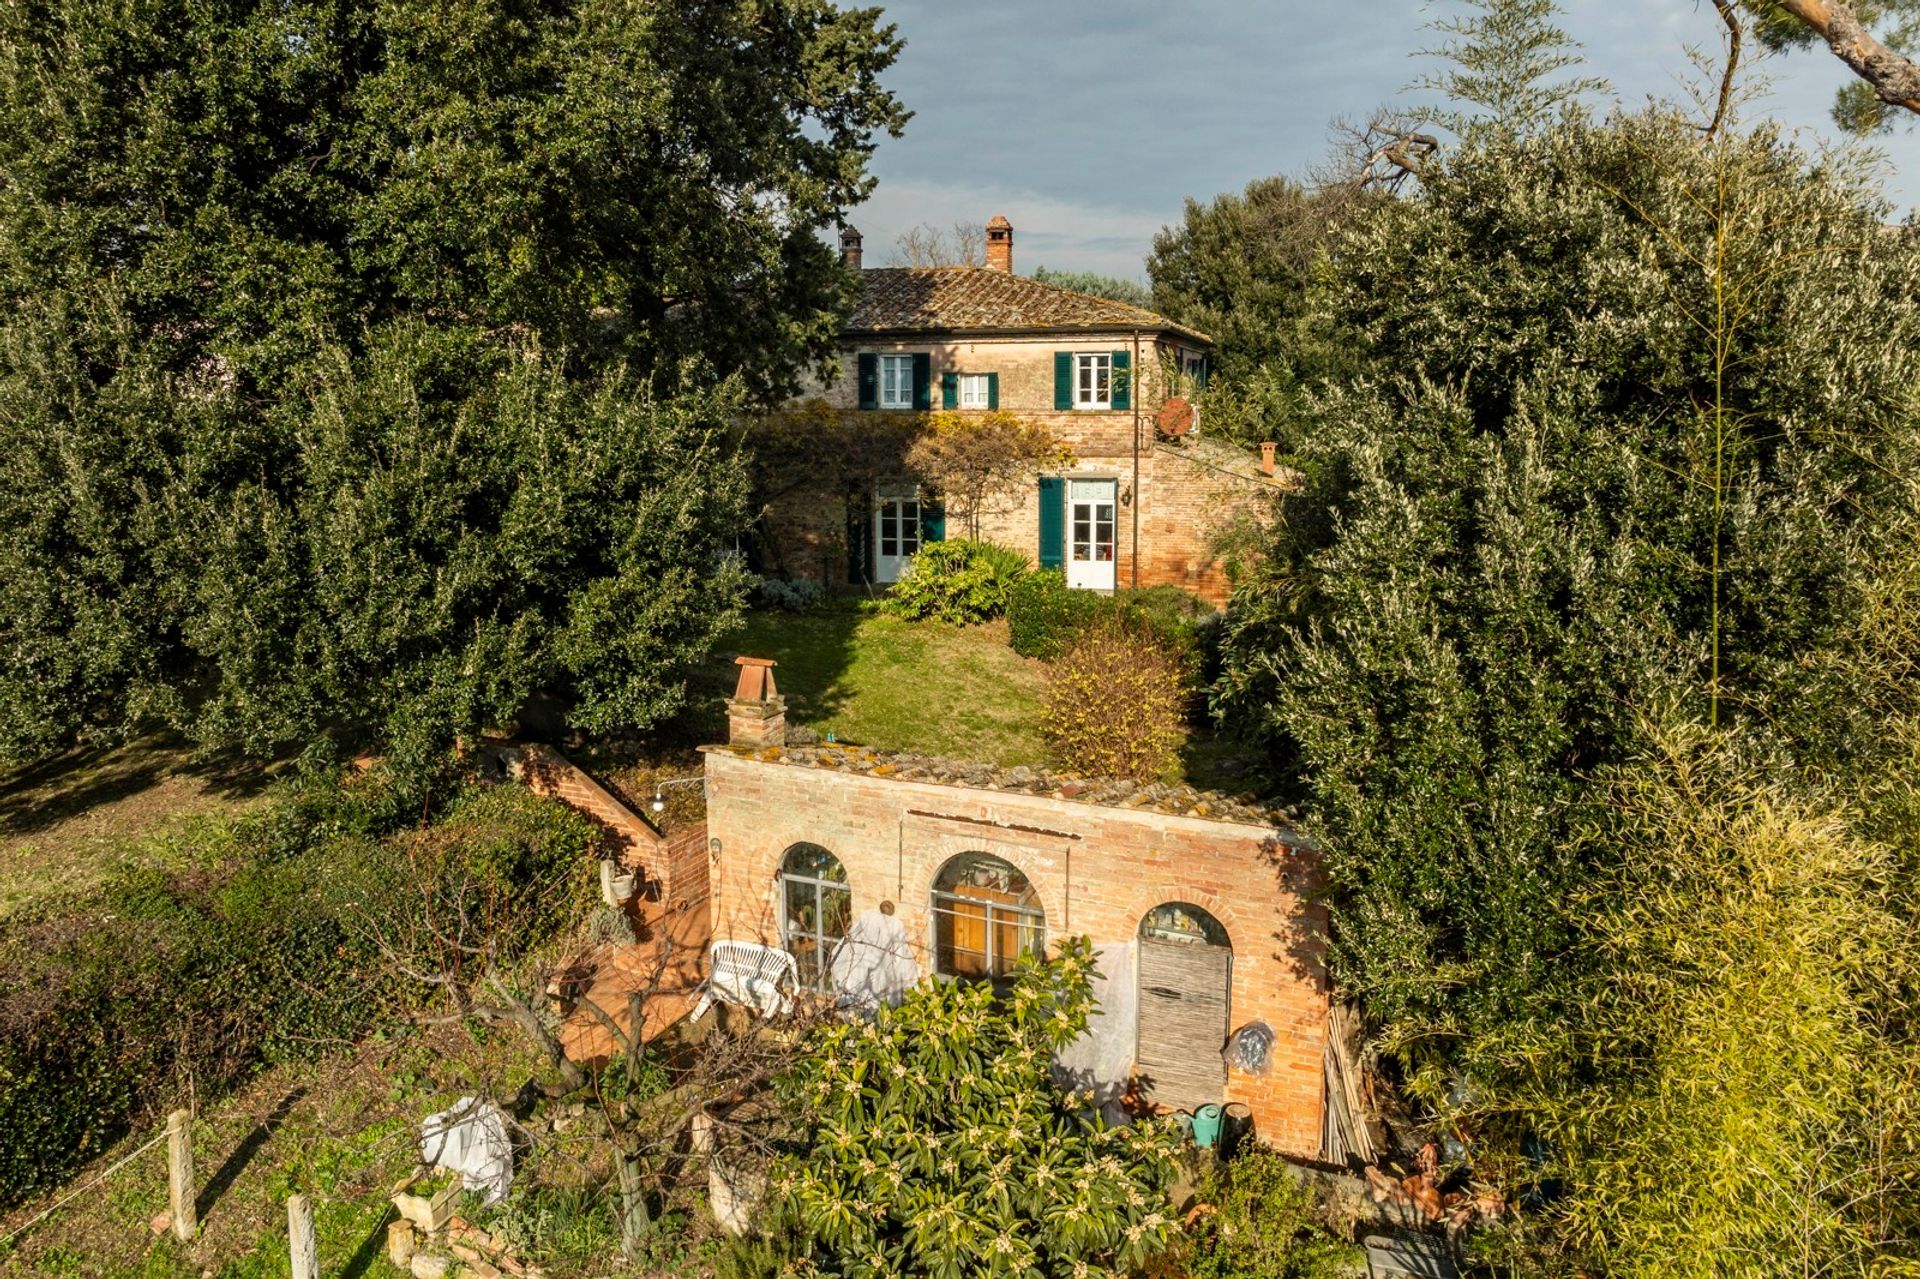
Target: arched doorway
{"points": [[1186, 982], [816, 906], [985, 916]]}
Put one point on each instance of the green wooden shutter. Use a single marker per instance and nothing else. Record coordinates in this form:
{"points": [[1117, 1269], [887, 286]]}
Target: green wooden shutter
{"points": [[1063, 379], [923, 381], [1121, 387], [869, 380], [933, 520], [993, 390], [1053, 522], [949, 390]]}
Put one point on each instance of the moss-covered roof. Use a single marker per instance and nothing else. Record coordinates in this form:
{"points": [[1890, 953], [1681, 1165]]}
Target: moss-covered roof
{"points": [[971, 298]]}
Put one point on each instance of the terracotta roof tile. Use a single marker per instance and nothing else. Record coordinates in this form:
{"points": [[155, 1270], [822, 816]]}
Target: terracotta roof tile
{"points": [[948, 298]]}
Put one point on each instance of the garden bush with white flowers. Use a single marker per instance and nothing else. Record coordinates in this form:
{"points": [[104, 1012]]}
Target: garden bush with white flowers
{"points": [[938, 1144]]}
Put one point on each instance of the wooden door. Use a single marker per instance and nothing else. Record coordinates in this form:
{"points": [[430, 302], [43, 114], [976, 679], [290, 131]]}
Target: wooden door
{"points": [[1183, 1021]]}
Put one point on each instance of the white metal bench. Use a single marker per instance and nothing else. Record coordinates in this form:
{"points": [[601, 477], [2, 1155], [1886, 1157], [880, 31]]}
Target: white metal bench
{"points": [[762, 978]]}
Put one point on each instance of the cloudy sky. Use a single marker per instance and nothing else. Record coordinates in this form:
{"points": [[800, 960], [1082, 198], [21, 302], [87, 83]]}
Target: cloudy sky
{"points": [[1088, 123]]}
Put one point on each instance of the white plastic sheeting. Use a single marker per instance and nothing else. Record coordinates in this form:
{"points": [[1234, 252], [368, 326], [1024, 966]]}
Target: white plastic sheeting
{"points": [[1102, 1059], [471, 1138], [873, 964]]}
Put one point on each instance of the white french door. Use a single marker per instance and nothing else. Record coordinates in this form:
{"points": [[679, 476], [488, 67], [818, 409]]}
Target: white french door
{"points": [[1091, 506], [896, 530]]}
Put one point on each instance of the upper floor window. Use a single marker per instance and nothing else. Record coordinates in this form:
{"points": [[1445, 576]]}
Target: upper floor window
{"points": [[896, 381], [974, 393], [1092, 381]]}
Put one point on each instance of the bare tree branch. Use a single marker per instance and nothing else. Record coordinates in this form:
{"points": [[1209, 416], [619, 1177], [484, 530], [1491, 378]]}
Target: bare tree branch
{"points": [[1893, 78], [1383, 153], [1734, 36]]}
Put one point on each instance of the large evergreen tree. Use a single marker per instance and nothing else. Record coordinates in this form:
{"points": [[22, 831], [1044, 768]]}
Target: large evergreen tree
{"points": [[363, 368], [1637, 435]]}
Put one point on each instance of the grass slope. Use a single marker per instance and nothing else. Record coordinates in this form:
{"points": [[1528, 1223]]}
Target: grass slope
{"points": [[898, 685], [70, 822]]}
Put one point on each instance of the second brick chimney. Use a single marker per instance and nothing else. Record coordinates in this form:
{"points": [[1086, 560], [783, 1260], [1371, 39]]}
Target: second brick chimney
{"points": [[850, 247], [1000, 245], [756, 713]]}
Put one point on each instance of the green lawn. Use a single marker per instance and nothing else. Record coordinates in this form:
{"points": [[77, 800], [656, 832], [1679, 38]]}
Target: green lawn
{"points": [[68, 823], [897, 685]]}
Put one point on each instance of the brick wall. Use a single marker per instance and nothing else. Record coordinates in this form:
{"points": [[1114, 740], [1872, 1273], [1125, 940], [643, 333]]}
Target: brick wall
{"points": [[1097, 871], [1180, 504], [672, 870], [688, 883]]}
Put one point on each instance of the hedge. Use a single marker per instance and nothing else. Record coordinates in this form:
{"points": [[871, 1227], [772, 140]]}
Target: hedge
{"points": [[1045, 617], [114, 1005]]}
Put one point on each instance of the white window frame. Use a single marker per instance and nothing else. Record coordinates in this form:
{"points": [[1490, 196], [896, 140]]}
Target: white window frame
{"points": [[1093, 380], [896, 392], [974, 391]]}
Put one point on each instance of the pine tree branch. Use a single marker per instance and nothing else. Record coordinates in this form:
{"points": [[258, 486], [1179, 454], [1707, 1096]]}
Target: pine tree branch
{"points": [[1894, 79]]}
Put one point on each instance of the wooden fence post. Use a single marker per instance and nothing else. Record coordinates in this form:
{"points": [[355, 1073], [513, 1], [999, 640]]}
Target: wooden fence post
{"points": [[306, 1262], [180, 1174]]}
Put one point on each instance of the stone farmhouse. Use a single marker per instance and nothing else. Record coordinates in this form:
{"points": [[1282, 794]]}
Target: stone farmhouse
{"points": [[1136, 506]]}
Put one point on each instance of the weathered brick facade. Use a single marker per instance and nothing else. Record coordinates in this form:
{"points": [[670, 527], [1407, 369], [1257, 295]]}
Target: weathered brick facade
{"points": [[1097, 870], [1174, 497]]}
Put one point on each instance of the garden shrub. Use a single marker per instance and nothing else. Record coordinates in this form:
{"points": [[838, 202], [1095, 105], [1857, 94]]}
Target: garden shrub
{"points": [[932, 1140], [801, 595], [1043, 614], [118, 1002], [1262, 1227], [959, 581], [1116, 702]]}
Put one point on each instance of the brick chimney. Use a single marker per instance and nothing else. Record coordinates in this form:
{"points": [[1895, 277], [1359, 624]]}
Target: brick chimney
{"points": [[850, 247], [1000, 245], [756, 713], [1267, 449]]}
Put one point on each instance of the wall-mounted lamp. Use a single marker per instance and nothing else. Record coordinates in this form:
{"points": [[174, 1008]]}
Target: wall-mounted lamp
{"points": [[713, 846], [1126, 496], [659, 804]]}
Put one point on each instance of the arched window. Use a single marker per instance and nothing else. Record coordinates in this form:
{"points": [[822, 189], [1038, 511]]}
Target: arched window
{"points": [[816, 906], [985, 916], [1183, 922]]}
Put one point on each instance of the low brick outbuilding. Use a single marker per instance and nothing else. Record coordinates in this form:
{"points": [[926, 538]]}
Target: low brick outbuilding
{"points": [[1203, 916]]}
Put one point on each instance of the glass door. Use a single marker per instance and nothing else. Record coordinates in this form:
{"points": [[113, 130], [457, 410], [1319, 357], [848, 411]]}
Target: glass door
{"points": [[1091, 507], [896, 530]]}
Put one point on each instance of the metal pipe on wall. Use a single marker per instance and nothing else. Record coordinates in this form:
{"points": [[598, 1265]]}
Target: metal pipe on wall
{"points": [[1133, 398]]}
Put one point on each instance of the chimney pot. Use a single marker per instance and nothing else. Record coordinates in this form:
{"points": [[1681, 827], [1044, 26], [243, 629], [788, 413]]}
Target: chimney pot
{"points": [[1000, 245], [850, 247], [1266, 456], [756, 713]]}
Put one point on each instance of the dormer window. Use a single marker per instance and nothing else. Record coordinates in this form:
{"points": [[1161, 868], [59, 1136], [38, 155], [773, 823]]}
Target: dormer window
{"points": [[1093, 381], [896, 381]]}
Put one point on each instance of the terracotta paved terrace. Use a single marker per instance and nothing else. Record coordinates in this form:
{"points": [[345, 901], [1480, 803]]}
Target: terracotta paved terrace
{"points": [[666, 967]]}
